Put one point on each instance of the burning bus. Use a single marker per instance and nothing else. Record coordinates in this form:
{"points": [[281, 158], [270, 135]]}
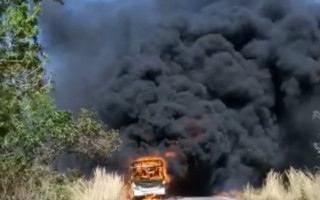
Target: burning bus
{"points": [[148, 178]]}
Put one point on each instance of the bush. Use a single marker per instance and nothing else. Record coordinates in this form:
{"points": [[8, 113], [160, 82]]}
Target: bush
{"points": [[300, 186], [102, 186], [93, 139], [21, 182], [32, 130]]}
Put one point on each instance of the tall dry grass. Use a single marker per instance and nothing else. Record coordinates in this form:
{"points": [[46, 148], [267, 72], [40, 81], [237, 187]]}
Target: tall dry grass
{"points": [[299, 186], [37, 183], [32, 190], [103, 186]]}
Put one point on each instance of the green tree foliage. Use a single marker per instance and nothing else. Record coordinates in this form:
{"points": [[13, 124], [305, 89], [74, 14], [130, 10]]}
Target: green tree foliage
{"points": [[32, 130]]}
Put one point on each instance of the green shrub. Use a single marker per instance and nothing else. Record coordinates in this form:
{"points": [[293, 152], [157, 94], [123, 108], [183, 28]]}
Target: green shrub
{"points": [[32, 129], [22, 182]]}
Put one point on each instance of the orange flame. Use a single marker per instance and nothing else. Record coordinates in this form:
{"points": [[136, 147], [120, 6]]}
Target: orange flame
{"points": [[153, 167], [152, 197], [170, 154], [153, 173]]}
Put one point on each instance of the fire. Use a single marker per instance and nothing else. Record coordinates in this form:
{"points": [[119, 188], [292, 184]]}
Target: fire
{"points": [[151, 168], [152, 197], [152, 174], [170, 154]]}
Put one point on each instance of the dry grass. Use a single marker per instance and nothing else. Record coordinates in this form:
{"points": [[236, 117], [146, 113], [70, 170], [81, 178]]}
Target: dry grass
{"points": [[103, 186], [30, 191], [301, 186], [38, 183]]}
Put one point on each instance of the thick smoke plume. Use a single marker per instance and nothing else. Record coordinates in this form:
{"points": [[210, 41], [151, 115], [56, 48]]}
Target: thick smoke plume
{"points": [[229, 84]]}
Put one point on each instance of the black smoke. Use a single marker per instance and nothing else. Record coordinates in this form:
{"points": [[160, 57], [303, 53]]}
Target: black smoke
{"points": [[233, 81]]}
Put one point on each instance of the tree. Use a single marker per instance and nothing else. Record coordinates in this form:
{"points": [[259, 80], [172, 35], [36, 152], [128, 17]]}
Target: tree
{"points": [[32, 130]]}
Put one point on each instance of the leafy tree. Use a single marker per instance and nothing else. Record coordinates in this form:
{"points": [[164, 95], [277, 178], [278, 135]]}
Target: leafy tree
{"points": [[32, 130]]}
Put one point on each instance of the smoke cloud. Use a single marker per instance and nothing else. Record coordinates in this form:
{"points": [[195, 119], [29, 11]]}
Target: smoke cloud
{"points": [[234, 82]]}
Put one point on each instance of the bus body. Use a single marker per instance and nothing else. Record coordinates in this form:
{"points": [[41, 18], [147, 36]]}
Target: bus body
{"points": [[147, 179]]}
